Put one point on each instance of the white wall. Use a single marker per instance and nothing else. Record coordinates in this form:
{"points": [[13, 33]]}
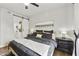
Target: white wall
{"points": [[7, 32], [61, 17], [76, 14], [0, 25]]}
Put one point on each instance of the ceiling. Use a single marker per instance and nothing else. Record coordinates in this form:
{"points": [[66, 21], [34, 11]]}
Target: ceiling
{"points": [[32, 10]]}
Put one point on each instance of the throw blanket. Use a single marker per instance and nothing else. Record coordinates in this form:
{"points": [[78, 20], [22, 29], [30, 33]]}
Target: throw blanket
{"points": [[42, 49]]}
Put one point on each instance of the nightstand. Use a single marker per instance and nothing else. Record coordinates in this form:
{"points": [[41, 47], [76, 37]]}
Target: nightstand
{"points": [[65, 45]]}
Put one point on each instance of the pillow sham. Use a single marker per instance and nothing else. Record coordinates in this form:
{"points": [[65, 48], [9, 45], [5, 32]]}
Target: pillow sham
{"points": [[32, 35], [46, 35]]}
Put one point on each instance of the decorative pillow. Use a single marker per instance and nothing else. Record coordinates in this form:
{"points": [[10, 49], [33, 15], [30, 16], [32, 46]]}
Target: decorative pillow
{"points": [[53, 36], [39, 35], [32, 35], [48, 36]]}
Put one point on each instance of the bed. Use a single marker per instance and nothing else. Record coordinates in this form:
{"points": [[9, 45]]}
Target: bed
{"points": [[33, 46], [38, 43]]}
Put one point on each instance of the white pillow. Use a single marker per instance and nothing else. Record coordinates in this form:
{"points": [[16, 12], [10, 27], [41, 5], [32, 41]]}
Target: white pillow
{"points": [[39, 35], [53, 36]]}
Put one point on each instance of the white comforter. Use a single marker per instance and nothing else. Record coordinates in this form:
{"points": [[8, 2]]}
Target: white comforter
{"points": [[40, 48]]}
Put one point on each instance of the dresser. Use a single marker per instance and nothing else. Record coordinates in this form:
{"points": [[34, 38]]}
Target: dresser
{"points": [[65, 45]]}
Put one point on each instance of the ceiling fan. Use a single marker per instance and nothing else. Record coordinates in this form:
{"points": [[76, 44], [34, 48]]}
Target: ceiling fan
{"points": [[34, 4]]}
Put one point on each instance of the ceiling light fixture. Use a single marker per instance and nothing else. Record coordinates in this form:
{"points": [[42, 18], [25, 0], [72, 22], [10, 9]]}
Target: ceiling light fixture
{"points": [[26, 5]]}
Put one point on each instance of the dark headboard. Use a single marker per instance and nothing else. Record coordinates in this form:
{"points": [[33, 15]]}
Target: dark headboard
{"points": [[39, 31], [44, 31], [51, 31]]}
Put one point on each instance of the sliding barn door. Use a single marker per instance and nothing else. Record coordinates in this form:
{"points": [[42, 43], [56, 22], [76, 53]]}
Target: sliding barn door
{"points": [[20, 29], [18, 34], [25, 25]]}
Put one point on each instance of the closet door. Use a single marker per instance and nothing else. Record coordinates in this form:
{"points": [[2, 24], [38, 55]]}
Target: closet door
{"points": [[18, 34], [25, 25]]}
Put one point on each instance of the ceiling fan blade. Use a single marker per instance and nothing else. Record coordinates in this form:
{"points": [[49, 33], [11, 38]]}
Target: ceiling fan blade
{"points": [[26, 7], [35, 4]]}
